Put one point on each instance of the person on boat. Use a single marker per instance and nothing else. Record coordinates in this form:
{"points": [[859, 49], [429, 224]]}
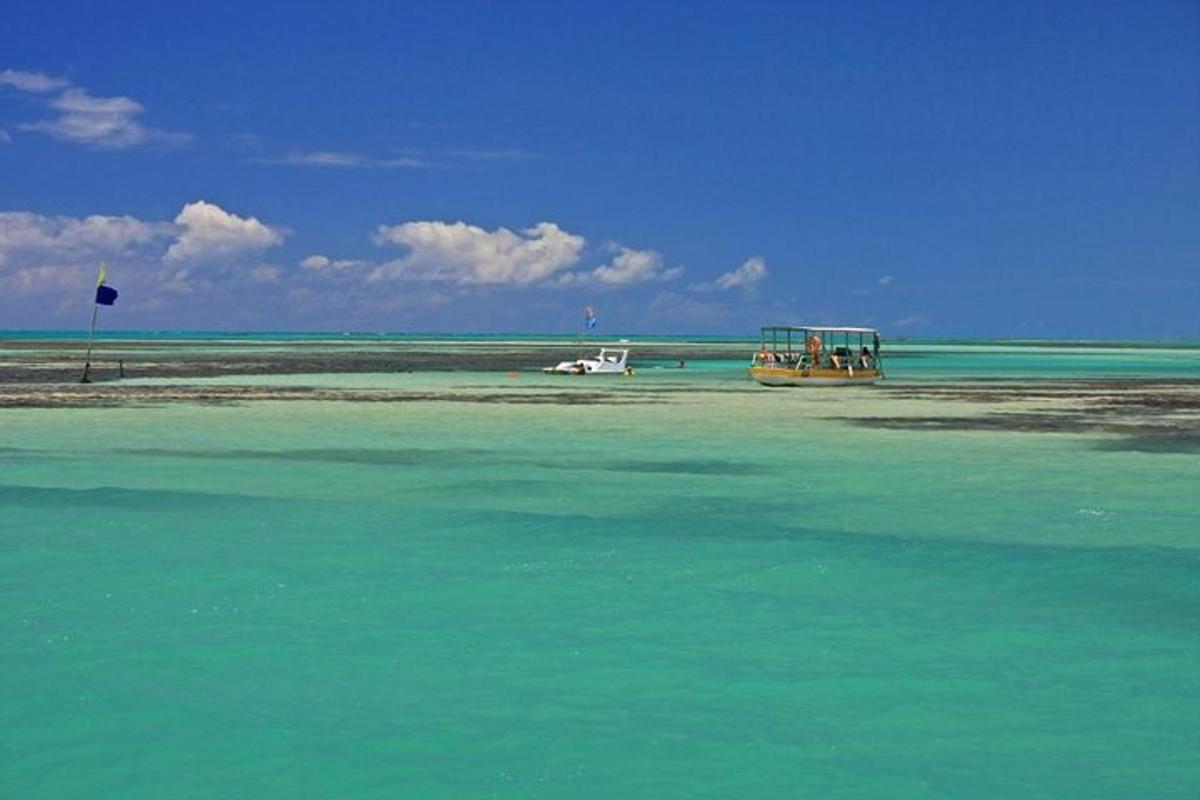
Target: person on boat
{"points": [[813, 346], [864, 358]]}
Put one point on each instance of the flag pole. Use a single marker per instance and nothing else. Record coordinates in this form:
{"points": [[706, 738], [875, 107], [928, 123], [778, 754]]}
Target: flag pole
{"points": [[87, 361], [106, 296]]}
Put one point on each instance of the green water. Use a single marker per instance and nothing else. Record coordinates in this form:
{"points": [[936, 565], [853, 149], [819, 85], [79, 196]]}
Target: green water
{"points": [[701, 589]]}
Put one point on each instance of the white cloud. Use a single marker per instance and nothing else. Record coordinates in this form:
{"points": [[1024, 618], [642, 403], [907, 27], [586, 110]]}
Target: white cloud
{"points": [[108, 122], [22, 231], [330, 158], [748, 274], [324, 159], [36, 82], [886, 280], [398, 163], [48, 264], [265, 273], [4, 136], [29, 281], [202, 231], [208, 232], [320, 263], [467, 254], [177, 281], [104, 122], [407, 158], [111, 233], [631, 266]]}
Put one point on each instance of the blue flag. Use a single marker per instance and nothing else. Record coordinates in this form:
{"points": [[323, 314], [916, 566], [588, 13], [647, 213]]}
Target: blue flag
{"points": [[105, 295], [589, 317]]}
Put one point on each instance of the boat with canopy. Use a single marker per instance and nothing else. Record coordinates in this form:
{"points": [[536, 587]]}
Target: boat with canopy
{"points": [[817, 355]]}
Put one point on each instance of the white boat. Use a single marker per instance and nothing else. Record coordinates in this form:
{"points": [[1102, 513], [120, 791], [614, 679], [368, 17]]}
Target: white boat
{"points": [[609, 362]]}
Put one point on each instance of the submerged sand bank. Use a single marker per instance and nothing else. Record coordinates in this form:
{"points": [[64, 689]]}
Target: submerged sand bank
{"points": [[1146, 415]]}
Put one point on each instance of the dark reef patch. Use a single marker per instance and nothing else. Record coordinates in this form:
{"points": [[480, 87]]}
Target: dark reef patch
{"points": [[128, 500], [113, 395], [1175, 442], [1165, 437], [1028, 423]]}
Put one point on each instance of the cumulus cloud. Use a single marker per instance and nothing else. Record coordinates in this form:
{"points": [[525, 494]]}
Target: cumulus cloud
{"points": [[48, 263], [36, 82], [208, 232], [316, 262], [83, 118], [745, 276], [178, 281], [467, 254], [22, 231], [631, 266], [749, 273], [201, 231]]}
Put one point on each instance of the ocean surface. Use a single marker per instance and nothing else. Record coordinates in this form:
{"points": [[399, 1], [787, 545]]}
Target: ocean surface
{"points": [[674, 585]]}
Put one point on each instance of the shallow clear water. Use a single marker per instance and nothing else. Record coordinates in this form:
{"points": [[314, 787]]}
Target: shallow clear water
{"points": [[703, 590]]}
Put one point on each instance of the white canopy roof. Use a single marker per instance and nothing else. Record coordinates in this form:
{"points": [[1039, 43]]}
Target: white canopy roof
{"points": [[823, 328]]}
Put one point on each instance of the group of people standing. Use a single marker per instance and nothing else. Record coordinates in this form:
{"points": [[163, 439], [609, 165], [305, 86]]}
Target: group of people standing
{"points": [[816, 358]]}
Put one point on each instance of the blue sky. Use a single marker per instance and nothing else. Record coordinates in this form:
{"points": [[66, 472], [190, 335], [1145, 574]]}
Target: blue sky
{"points": [[936, 169]]}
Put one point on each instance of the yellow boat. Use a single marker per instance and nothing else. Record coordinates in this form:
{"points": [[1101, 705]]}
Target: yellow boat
{"points": [[817, 355]]}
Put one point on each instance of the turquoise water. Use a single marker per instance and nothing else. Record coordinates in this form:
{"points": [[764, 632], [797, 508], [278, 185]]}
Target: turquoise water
{"points": [[696, 589]]}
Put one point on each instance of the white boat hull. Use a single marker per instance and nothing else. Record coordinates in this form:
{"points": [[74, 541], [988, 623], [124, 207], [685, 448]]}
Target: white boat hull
{"points": [[609, 362], [571, 368]]}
